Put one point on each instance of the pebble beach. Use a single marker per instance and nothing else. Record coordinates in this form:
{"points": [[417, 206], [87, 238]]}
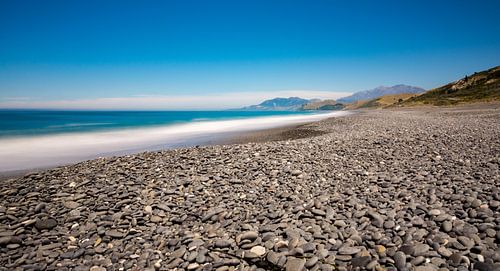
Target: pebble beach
{"points": [[403, 189]]}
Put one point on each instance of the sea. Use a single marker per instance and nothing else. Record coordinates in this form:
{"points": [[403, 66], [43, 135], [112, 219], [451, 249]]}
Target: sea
{"points": [[31, 139]]}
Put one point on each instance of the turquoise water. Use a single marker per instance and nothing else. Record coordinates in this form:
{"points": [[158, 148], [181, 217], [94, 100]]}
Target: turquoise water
{"points": [[42, 122]]}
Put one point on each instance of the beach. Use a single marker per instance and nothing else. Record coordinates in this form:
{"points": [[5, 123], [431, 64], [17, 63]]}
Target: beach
{"points": [[410, 188], [41, 147]]}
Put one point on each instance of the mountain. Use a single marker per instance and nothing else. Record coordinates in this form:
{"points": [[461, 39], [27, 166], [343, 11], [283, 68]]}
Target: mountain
{"points": [[292, 103], [380, 91], [481, 86], [323, 105], [381, 102]]}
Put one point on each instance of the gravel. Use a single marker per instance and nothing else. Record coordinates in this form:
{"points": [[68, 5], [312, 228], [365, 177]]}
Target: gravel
{"points": [[385, 189]]}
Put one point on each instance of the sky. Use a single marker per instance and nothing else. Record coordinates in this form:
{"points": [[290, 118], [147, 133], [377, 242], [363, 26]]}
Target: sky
{"points": [[220, 54]]}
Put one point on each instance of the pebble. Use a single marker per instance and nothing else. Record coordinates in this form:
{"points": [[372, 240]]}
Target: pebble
{"points": [[366, 193], [45, 224], [294, 264], [400, 260], [258, 250]]}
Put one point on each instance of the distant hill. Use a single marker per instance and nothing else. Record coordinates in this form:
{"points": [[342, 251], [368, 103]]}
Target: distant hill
{"points": [[382, 102], [291, 103], [323, 105], [378, 92], [479, 87]]}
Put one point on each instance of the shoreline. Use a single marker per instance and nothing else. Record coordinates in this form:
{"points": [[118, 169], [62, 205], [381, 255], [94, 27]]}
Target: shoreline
{"points": [[287, 132], [64, 149]]}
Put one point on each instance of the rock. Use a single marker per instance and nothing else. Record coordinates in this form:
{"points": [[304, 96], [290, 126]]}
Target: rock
{"points": [[178, 253], [222, 243], [249, 235], [6, 240], [434, 212], [345, 250], [400, 260], [407, 249], [311, 262], [258, 250], [420, 249], [115, 234], [71, 204], [39, 207], [45, 224], [485, 266], [444, 252], [361, 261], [193, 266], [378, 220], [447, 226], [294, 264]]}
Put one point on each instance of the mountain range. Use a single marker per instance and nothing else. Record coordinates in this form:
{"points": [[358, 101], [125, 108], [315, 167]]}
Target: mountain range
{"points": [[380, 91], [280, 104]]}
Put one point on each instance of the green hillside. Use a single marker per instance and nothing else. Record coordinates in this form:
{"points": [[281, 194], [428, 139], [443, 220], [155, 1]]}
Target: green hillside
{"points": [[480, 87]]}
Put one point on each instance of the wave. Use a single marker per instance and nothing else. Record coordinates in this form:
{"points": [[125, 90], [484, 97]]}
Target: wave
{"points": [[51, 150], [72, 125]]}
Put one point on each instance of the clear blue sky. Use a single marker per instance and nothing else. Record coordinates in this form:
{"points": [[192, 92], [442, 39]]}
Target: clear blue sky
{"points": [[84, 50]]}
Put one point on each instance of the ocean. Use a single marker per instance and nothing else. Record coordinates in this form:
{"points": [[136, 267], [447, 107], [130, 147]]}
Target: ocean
{"points": [[42, 122], [44, 138]]}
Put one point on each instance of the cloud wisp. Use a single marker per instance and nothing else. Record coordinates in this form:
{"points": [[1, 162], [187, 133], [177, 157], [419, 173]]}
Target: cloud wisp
{"points": [[173, 102]]}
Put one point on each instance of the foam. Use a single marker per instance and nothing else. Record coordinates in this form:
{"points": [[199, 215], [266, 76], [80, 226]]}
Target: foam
{"points": [[51, 150]]}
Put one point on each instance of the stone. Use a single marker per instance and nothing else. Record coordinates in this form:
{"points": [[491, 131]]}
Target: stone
{"points": [[249, 235], [115, 233], [444, 252], [361, 261], [447, 226], [258, 250], [71, 204], [294, 264], [178, 253], [7, 240], [420, 249], [400, 260], [46, 224], [345, 250]]}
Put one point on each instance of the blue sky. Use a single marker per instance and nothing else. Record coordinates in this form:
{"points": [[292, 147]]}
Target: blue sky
{"points": [[95, 53]]}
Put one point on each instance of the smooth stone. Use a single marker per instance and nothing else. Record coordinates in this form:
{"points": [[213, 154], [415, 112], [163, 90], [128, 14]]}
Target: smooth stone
{"points": [[444, 251], [345, 250], [434, 212], [222, 243], [115, 234], [193, 266], [420, 249], [249, 235], [400, 260], [71, 204], [273, 257], [311, 261], [447, 226], [294, 264], [361, 261], [46, 224], [258, 250], [7, 240], [178, 253], [485, 266]]}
